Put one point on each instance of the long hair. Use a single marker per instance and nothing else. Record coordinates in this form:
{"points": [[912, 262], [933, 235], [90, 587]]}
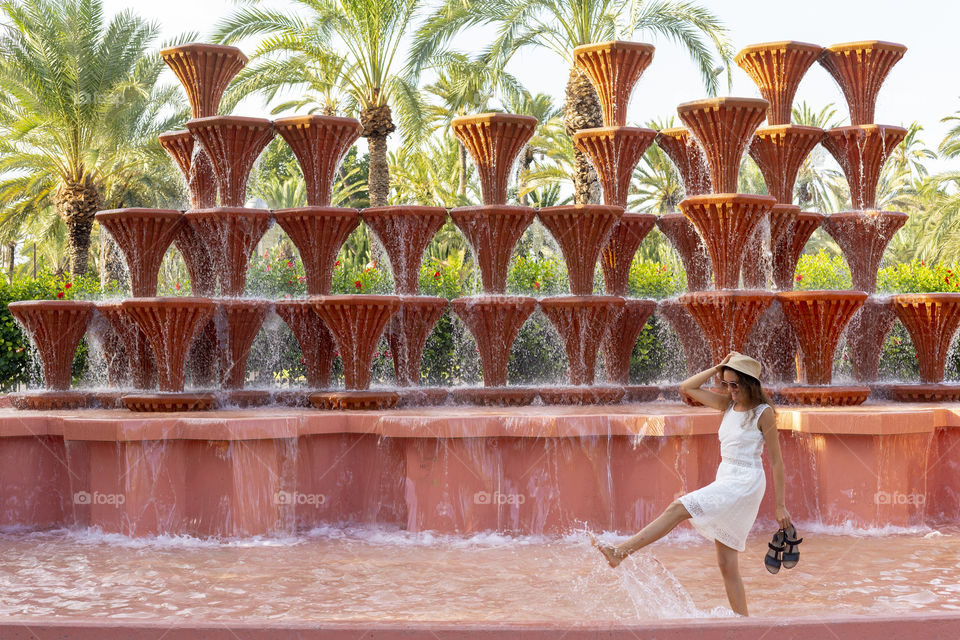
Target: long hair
{"points": [[752, 388]]}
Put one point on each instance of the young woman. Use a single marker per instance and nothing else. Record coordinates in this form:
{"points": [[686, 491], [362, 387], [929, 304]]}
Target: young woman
{"points": [[725, 509]]}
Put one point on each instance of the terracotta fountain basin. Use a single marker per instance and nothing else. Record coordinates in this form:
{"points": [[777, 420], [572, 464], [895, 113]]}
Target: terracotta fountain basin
{"points": [[581, 230], [777, 69], [143, 235], [685, 153], [195, 166], [616, 257], [405, 232], [614, 68], [614, 153], [726, 222], [696, 351], [684, 237], [779, 152], [407, 334], [170, 325], [786, 254], [493, 232], [582, 322], [494, 321], [863, 236], [618, 343], [865, 334], [320, 144], [758, 257], [56, 328], [204, 70], [494, 140], [932, 320], [133, 343], [233, 144], [818, 319], [318, 233], [860, 69], [230, 235], [861, 151], [316, 341], [726, 317], [724, 128]]}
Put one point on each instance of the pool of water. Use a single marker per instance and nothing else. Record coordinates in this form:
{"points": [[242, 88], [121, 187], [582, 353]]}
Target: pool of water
{"points": [[365, 574]]}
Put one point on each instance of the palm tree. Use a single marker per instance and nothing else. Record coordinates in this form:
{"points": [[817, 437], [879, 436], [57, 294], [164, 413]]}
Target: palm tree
{"points": [[79, 115], [370, 33], [549, 129], [561, 25], [818, 187]]}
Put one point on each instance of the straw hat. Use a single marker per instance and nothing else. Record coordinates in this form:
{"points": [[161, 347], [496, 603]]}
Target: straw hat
{"points": [[744, 364]]}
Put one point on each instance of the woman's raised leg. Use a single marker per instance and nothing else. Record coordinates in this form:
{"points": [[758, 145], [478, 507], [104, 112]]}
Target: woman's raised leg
{"points": [[661, 526]]}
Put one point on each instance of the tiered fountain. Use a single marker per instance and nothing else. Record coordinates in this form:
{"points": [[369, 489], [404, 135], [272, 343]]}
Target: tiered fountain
{"points": [[494, 140], [725, 220], [861, 149], [931, 319], [779, 149], [614, 150]]}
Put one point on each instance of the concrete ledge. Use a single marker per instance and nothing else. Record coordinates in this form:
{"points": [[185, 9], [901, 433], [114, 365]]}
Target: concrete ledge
{"points": [[900, 627]]}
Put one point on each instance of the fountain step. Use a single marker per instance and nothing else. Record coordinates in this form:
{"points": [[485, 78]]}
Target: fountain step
{"points": [[168, 402], [821, 396]]}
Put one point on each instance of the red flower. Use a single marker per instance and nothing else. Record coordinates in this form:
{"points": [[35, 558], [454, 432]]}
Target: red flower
{"points": [[266, 268], [59, 294], [68, 285], [290, 264], [922, 263], [301, 278], [375, 264], [358, 284], [437, 275], [536, 285], [289, 281], [337, 263], [177, 286], [799, 278]]}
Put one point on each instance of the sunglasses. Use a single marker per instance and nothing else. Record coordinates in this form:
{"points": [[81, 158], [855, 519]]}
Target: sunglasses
{"points": [[733, 386]]}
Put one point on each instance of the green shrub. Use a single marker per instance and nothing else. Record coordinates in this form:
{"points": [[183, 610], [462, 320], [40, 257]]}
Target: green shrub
{"points": [[918, 277], [655, 280], [822, 271]]}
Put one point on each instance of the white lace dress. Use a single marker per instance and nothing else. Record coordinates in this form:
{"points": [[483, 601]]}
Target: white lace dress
{"points": [[726, 508]]}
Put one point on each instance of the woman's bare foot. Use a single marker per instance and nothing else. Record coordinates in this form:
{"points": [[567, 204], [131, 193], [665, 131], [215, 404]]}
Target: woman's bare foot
{"points": [[612, 553]]}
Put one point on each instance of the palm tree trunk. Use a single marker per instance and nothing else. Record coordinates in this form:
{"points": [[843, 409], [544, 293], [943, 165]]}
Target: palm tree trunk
{"points": [[377, 124], [76, 203], [462, 168], [11, 254], [582, 111]]}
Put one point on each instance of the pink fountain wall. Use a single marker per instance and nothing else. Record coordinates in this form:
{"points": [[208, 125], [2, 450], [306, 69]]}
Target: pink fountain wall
{"points": [[556, 469]]}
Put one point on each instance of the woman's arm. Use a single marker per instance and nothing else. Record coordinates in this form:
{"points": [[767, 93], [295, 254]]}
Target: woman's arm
{"points": [[768, 425], [691, 388]]}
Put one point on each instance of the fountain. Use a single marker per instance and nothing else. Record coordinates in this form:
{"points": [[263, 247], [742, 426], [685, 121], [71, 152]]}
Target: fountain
{"points": [[405, 233], [685, 153], [581, 230], [494, 140], [932, 320], [684, 237], [170, 325], [614, 152], [239, 322], [56, 328], [356, 322], [818, 318], [616, 257], [614, 68], [232, 143], [195, 167], [143, 235], [860, 69], [618, 342], [134, 345], [230, 235], [494, 321], [777, 69], [726, 317], [320, 144], [318, 233], [452, 471], [865, 334]]}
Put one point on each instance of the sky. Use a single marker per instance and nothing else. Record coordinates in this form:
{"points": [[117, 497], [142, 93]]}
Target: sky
{"points": [[922, 87]]}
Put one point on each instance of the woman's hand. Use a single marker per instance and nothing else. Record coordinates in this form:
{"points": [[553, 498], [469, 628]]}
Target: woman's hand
{"points": [[783, 517]]}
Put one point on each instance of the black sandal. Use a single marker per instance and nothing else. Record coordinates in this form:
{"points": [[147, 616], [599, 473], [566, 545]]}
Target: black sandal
{"points": [[791, 556], [772, 560]]}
